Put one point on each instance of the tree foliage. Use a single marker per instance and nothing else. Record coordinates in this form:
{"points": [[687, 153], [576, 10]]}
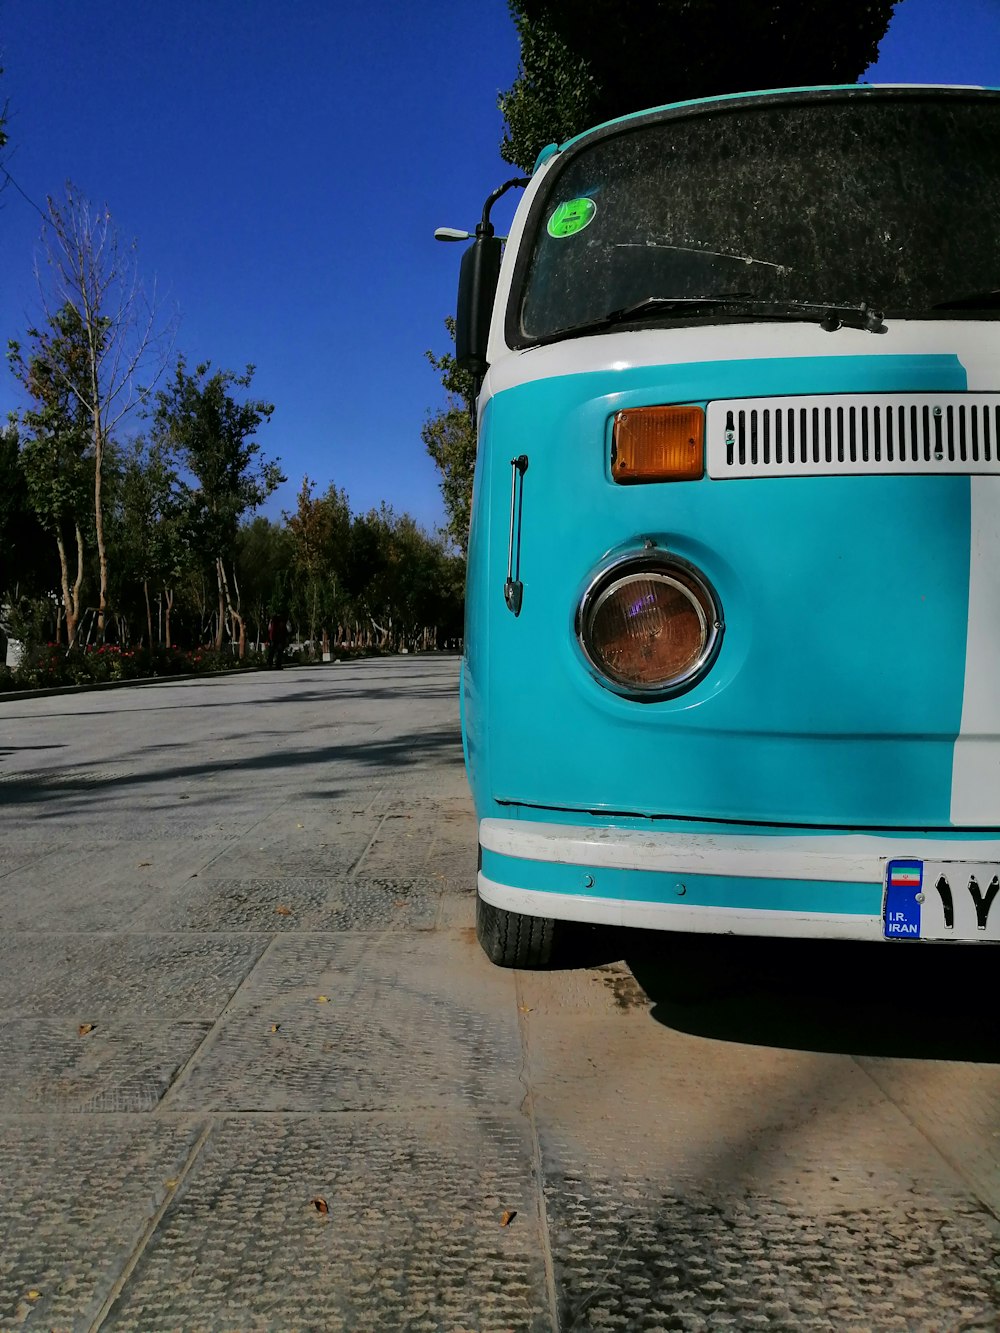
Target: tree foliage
{"points": [[55, 458], [590, 62], [214, 434], [27, 559], [449, 436]]}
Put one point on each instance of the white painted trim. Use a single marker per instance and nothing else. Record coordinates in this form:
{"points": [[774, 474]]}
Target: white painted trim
{"points": [[975, 783], [679, 916], [976, 343], [849, 858]]}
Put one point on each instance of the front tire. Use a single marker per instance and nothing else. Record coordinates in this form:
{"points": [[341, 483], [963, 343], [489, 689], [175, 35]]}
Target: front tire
{"points": [[511, 939]]}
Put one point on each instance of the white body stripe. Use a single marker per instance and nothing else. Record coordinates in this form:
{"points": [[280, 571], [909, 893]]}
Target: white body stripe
{"points": [[848, 858], [976, 344], [975, 785]]}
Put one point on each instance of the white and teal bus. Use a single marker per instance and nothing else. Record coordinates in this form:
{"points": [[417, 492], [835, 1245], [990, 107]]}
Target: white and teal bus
{"points": [[732, 655]]}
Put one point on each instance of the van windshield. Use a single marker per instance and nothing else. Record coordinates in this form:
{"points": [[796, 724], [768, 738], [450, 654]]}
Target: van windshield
{"points": [[886, 200]]}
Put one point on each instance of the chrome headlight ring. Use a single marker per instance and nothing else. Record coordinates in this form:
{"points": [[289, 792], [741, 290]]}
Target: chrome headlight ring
{"points": [[649, 625]]}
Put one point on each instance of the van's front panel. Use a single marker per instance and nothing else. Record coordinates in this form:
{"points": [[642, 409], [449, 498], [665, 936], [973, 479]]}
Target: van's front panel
{"points": [[841, 743], [857, 625]]}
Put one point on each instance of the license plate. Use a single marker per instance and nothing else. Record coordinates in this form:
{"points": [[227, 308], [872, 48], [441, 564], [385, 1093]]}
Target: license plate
{"points": [[941, 900]]}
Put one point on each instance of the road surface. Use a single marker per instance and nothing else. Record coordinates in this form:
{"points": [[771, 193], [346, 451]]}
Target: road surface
{"points": [[255, 1072]]}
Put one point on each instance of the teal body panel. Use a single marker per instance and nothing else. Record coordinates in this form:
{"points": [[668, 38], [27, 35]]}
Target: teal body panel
{"points": [[836, 696], [653, 886]]}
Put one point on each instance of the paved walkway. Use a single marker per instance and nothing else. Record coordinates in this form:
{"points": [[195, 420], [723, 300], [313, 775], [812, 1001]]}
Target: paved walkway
{"points": [[256, 1074]]}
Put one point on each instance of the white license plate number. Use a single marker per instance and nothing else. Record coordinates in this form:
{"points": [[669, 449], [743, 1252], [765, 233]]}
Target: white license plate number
{"points": [[941, 900]]}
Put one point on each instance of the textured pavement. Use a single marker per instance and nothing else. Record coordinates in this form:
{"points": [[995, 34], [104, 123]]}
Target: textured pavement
{"points": [[255, 1072]]}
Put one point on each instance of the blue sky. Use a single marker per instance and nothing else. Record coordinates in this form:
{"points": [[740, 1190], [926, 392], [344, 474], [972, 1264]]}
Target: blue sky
{"points": [[283, 166]]}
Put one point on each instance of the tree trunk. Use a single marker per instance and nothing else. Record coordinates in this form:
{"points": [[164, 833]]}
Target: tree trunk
{"points": [[68, 611], [235, 616], [149, 613], [220, 576], [168, 597], [102, 554]]}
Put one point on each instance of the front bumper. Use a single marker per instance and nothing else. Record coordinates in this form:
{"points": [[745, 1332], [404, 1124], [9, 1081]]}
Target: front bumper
{"points": [[777, 883]]}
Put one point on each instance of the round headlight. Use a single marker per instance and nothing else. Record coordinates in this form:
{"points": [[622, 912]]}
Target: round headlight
{"points": [[650, 625]]}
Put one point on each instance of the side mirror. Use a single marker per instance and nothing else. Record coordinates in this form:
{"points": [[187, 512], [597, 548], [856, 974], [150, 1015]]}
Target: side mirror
{"points": [[477, 289]]}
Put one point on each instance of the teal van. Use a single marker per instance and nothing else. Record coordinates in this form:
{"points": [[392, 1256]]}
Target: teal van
{"points": [[732, 654]]}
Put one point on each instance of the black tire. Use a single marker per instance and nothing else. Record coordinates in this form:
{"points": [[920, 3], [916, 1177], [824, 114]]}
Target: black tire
{"points": [[511, 939]]}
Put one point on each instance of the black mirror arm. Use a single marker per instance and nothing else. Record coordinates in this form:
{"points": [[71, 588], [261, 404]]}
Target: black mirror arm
{"points": [[485, 227]]}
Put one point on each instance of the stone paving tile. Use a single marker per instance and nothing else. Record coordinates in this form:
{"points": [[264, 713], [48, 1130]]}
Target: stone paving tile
{"points": [[89, 977], [75, 1198], [35, 900], [297, 904], [965, 1128], [48, 1066], [751, 1187], [413, 1239], [406, 1022], [33, 830], [299, 857], [640, 1255], [426, 833], [368, 903]]}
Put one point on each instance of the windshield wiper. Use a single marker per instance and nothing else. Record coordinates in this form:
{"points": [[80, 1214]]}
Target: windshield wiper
{"points": [[829, 317], [986, 300]]}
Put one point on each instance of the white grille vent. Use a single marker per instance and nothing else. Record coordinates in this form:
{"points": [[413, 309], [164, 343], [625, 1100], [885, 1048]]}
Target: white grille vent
{"points": [[863, 434]]}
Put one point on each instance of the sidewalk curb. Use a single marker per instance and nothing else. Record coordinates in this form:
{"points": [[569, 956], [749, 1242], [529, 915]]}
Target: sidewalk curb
{"points": [[178, 676]]}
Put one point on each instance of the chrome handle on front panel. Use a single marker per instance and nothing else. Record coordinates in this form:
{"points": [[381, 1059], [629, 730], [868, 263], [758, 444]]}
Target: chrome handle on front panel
{"points": [[513, 589]]}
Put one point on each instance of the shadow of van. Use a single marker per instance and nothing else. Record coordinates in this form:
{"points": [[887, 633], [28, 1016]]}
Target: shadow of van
{"points": [[922, 1001]]}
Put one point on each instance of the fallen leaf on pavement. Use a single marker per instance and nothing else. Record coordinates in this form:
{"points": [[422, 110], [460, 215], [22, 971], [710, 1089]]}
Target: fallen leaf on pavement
{"points": [[275, 1027], [84, 1028], [524, 1009], [508, 1217], [170, 1184], [282, 910], [300, 825], [400, 902], [320, 1204], [144, 864], [322, 999]]}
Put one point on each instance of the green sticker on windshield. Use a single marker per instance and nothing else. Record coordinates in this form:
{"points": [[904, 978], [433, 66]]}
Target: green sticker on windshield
{"points": [[571, 217]]}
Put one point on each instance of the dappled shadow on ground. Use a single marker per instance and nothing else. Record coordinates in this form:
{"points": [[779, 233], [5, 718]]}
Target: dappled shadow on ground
{"points": [[376, 679], [920, 1001], [60, 788]]}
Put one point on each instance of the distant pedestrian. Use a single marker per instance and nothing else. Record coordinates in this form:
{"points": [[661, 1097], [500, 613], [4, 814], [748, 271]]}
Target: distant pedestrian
{"points": [[277, 638]]}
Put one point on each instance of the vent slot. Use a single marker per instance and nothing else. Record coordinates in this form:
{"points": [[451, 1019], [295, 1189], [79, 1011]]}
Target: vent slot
{"points": [[854, 434]]}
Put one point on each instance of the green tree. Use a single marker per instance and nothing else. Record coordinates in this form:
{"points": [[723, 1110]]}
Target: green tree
{"points": [[449, 436], [150, 540], [263, 561], [319, 532], [590, 62], [54, 451], [25, 569], [215, 435]]}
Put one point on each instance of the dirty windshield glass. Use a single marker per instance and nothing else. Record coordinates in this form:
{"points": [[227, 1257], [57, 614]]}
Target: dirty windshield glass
{"points": [[884, 200]]}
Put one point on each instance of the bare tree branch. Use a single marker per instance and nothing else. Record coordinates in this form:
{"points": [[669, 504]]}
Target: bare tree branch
{"points": [[89, 270]]}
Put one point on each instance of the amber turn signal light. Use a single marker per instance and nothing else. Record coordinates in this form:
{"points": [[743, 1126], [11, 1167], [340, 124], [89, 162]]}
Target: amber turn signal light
{"points": [[658, 444]]}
